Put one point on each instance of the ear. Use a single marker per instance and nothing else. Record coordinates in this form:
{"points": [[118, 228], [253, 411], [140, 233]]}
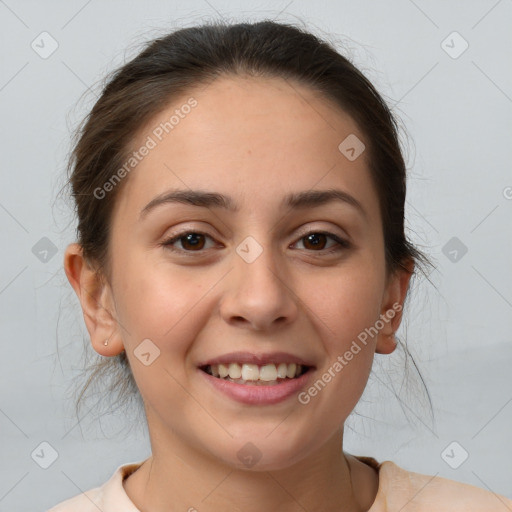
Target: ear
{"points": [[392, 307], [96, 299]]}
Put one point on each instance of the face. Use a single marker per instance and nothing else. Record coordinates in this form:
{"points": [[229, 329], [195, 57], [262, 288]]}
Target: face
{"points": [[264, 275]]}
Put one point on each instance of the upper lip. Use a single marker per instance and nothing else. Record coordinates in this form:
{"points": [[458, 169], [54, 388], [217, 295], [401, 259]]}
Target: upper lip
{"points": [[258, 359]]}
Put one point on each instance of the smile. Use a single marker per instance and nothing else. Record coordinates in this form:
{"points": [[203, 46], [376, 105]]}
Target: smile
{"points": [[249, 385], [262, 375]]}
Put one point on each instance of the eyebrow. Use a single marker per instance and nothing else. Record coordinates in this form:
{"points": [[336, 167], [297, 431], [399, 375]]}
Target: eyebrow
{"points": [[297, 200]]}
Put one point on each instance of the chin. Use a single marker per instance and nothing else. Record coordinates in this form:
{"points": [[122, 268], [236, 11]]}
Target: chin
{"points": [[270, 453]]}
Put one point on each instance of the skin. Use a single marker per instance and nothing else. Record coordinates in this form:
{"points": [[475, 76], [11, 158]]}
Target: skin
{"points": [[256, 140]]}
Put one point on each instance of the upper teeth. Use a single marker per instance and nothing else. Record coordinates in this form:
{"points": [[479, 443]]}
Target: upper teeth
{"points": [[267, 372]]}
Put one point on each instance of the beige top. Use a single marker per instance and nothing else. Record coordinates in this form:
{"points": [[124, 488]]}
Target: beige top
{"points": [[399, 490]]}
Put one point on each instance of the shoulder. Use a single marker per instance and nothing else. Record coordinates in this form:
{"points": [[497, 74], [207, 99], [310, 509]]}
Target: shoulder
{"points": [[408, 491], [110, 497], [85, 502]]}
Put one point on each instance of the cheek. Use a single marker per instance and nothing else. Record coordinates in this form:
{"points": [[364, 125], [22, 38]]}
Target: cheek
{"points": [[345, 306], [157, 304], [161, 307], [345, 303]]}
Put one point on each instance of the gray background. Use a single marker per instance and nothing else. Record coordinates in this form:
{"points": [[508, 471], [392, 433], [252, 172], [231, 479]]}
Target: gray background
{"points": [[457, 112]]}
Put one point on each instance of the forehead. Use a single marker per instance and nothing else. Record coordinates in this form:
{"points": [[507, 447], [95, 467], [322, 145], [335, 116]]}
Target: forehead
{"points": [[254, 139]]}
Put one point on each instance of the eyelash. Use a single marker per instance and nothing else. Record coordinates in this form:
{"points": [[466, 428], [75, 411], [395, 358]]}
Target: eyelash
{"points": [[342, 243]]}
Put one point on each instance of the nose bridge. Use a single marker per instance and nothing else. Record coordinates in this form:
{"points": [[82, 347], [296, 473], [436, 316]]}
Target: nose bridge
{"points": [[257, 265], [257, 290], [257, 261]]}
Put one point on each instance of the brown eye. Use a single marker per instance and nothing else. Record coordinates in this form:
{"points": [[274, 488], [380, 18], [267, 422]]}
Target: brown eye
{"points": [[191, 241], [316, 241]]}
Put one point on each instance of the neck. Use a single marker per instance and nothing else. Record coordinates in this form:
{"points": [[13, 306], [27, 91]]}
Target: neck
{"points": [[179, 477]]}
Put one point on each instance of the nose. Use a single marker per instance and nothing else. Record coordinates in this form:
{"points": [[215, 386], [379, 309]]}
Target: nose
{"points": [[259, 295]]}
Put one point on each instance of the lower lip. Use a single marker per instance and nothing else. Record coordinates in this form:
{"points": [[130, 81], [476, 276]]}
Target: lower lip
{"points": [[259, 395]]}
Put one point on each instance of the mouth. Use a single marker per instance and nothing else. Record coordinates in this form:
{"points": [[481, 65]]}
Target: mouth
{"points": [[257, 379], [270, 374]]}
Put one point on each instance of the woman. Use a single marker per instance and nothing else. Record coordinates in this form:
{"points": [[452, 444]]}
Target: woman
{"points": [[240, 195]]}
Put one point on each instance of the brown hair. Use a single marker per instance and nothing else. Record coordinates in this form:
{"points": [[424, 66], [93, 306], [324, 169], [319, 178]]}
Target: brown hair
{"points": [[170, 66]]}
